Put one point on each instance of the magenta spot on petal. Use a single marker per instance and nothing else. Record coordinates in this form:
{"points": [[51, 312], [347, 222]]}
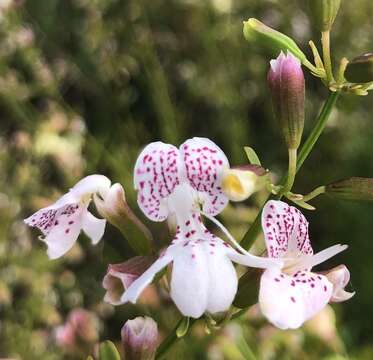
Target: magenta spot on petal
{"points": [[71, 222], [292, 299], [67, 231], [325, 288]]}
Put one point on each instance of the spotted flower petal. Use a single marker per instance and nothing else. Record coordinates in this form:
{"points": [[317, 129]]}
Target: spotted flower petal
{"points": [[156, 176], [289, 300], [62, 221], [62, 235], [204, 165], [285, 230]]}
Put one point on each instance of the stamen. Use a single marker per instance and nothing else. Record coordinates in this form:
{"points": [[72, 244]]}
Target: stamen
{"points": [[226, 233]]}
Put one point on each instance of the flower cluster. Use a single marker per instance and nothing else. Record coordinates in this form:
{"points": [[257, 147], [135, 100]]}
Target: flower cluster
{"points": [[186, 184]]}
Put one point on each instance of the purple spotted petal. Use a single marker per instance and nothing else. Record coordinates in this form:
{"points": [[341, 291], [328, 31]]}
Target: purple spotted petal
{"points": [[47, 218], [156, 176], [289, 300], [204, 165], [285, 230]]}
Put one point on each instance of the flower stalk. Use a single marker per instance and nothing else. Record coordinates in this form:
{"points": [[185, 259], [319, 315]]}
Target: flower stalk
{"points": [[250, 236], [325, 42]]}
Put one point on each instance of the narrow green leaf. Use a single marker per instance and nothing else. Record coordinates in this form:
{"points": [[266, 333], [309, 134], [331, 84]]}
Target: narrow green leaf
{"points": [[183, 327], [108, 351], [252, 156], [244, 349]]}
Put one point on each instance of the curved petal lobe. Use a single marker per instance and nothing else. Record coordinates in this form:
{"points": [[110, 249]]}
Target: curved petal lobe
{"points": [[288, 301], [222, 278], [91, 184], [136, 288], [190, 281], [156, 176], [204, 164], [93, 227]]}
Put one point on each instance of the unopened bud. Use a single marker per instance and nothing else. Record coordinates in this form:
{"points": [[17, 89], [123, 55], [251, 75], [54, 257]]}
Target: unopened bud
{"points": [[339, 277], [286, 82], [240, 183], [256, 31], [360, 69], [114, 208], [324, 13], [355, 188], [140, 338], [120, 276]]}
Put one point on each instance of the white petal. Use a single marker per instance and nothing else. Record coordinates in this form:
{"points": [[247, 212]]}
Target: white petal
{"points": [[339, 277], [324, 255], [91, 184], [156, 175], [288, 301], [222, 278], [253, 261], [93, 227], [190, 281], [135, 289], [65, 231], [285, 230], [204, 164]]}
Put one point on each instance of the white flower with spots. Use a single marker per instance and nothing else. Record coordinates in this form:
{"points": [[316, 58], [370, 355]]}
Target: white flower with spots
{"points": [[62, 221], [176, 182], [293, 294]]}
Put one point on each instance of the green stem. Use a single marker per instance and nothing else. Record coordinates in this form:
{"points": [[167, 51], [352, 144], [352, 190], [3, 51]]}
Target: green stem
{"points": [[292, 170], [325, 42], [171, 339], [316, 192], [308, 145]]}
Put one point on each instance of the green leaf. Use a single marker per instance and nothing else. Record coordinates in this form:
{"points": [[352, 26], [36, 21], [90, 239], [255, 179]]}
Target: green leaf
{"points": [[108, 351], [183, 327], [256, 31], [244, 349], [252, 156]]}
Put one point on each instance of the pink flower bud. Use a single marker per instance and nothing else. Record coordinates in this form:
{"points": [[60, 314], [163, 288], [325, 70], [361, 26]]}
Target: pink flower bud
{"points": [[80, 330], [286, 82], [65, 336], [140, 338], [339, 277], [120, 276]]}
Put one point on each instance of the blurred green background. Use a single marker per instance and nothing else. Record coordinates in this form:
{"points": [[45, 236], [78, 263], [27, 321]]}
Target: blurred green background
{"points": [[85, 84]]}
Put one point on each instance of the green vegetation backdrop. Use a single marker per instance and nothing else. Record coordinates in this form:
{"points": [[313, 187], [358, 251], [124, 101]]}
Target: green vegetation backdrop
{"points": [[85, 84]]}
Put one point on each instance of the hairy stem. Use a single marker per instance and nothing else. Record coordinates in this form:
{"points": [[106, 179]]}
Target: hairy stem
{"points": [[307, 147]]}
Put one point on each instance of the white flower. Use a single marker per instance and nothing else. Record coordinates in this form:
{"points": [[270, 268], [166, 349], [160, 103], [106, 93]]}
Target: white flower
{"points": [[294, 294], [62, 221], [175, 182]]}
